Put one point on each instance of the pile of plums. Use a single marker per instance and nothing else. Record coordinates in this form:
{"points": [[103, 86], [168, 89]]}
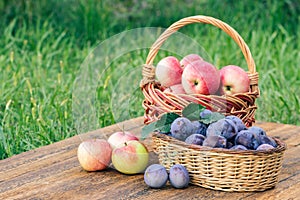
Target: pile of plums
{"points": [[229, 132]]}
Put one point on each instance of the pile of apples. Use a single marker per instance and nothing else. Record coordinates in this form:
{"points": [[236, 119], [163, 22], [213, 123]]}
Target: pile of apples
{"points": [[122, 149], [194, 75]]}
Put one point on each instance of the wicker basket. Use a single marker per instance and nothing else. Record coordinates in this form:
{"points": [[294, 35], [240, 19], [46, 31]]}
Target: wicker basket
{"points": [[157, 102], [222, 169], [219, 169]]}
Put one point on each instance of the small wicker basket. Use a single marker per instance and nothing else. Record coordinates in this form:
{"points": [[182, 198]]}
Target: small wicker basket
{"points": [[222, 169], [219, 169]]}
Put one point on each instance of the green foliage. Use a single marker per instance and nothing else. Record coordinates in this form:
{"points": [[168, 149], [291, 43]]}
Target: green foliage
{"points": [[43, 44], [163, 125]]}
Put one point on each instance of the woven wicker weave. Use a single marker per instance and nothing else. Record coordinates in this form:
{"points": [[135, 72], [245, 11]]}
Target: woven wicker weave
{"points": [[222, 169], [219, 169], [157, 102]]}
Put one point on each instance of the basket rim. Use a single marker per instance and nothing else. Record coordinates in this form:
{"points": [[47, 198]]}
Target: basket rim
{"points": [[281, 146]]}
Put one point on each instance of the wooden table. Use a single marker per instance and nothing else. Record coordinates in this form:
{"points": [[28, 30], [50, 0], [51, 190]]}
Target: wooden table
{"points": [[53, 172]]}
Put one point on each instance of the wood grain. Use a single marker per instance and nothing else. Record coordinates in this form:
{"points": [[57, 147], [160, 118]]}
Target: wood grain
{"points": [[53, 172]]}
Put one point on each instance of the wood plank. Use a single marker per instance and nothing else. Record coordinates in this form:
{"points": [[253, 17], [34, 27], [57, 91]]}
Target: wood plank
{"points": [[53, 172]]}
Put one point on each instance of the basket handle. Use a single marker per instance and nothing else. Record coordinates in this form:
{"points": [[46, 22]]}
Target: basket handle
{"points": [[149, 70]]}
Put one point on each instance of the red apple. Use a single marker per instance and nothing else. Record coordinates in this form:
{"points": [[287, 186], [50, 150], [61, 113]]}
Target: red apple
{"points": [[168, 71], [234, 80], [120, 137], [94, 154], [130, 158], [189, 59], [176, 89], [200, 77]]}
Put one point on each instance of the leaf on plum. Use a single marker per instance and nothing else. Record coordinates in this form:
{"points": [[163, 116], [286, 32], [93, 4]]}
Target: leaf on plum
{"points": [[213, 117], [162, 125], [192, 111]]}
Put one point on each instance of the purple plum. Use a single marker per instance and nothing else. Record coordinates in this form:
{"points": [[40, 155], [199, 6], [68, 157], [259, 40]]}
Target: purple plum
{"points": [[179, 176], [215, 141], [248, 139], [181, 128], [156, 176], [196, 139], [222, 127]]}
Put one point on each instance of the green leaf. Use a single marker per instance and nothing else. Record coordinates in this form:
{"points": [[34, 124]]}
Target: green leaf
{"points": [[146, 130], [163, 125], [213, 117], [192, 111]]}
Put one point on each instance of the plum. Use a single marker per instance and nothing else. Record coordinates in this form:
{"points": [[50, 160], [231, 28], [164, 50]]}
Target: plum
{"points": [[264, 147], [179, 176], [215, 141], [239, 147], [181, 128], [199, 128], [237, 121], [156, 176], [205, 113], [257, 130], [195, 139], [264, 139], [229, 144], [248, 139], [222, 127]]}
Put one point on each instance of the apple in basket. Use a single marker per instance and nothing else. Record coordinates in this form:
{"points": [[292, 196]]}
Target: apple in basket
{"points": [[189, 59], [168, 71], [200, 77], [94, 154], [175, 89], [120, 137], [234, 80], [130, 157]]}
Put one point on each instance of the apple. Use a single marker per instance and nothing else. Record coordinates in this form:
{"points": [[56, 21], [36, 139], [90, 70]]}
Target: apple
{"points": [[94, 154], [120, 137], [176, 89], [200, 77], [189, 59], [168, 71], [234, 80], [131, 157]]}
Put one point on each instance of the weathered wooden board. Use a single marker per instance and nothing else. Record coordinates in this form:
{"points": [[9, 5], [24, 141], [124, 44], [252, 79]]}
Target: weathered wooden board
{"points": [[53, 172]]}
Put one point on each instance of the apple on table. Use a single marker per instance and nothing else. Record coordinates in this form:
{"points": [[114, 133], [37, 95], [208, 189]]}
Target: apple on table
{"points": [[131, 157], [120, 137], [94, 154]]}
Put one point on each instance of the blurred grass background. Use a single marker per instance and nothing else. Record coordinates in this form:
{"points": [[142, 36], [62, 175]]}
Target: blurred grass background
{"points": [[43, 44]]}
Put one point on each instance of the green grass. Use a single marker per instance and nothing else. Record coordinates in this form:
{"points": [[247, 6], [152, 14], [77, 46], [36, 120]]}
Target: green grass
{"points": [[44, 43]]}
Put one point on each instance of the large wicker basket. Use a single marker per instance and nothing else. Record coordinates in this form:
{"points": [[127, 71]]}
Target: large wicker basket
{"points": [[157, 102], [219, 169]]}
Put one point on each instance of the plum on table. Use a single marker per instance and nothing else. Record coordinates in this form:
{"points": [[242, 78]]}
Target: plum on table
{"points": [[156, 176], [179, 176]]}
